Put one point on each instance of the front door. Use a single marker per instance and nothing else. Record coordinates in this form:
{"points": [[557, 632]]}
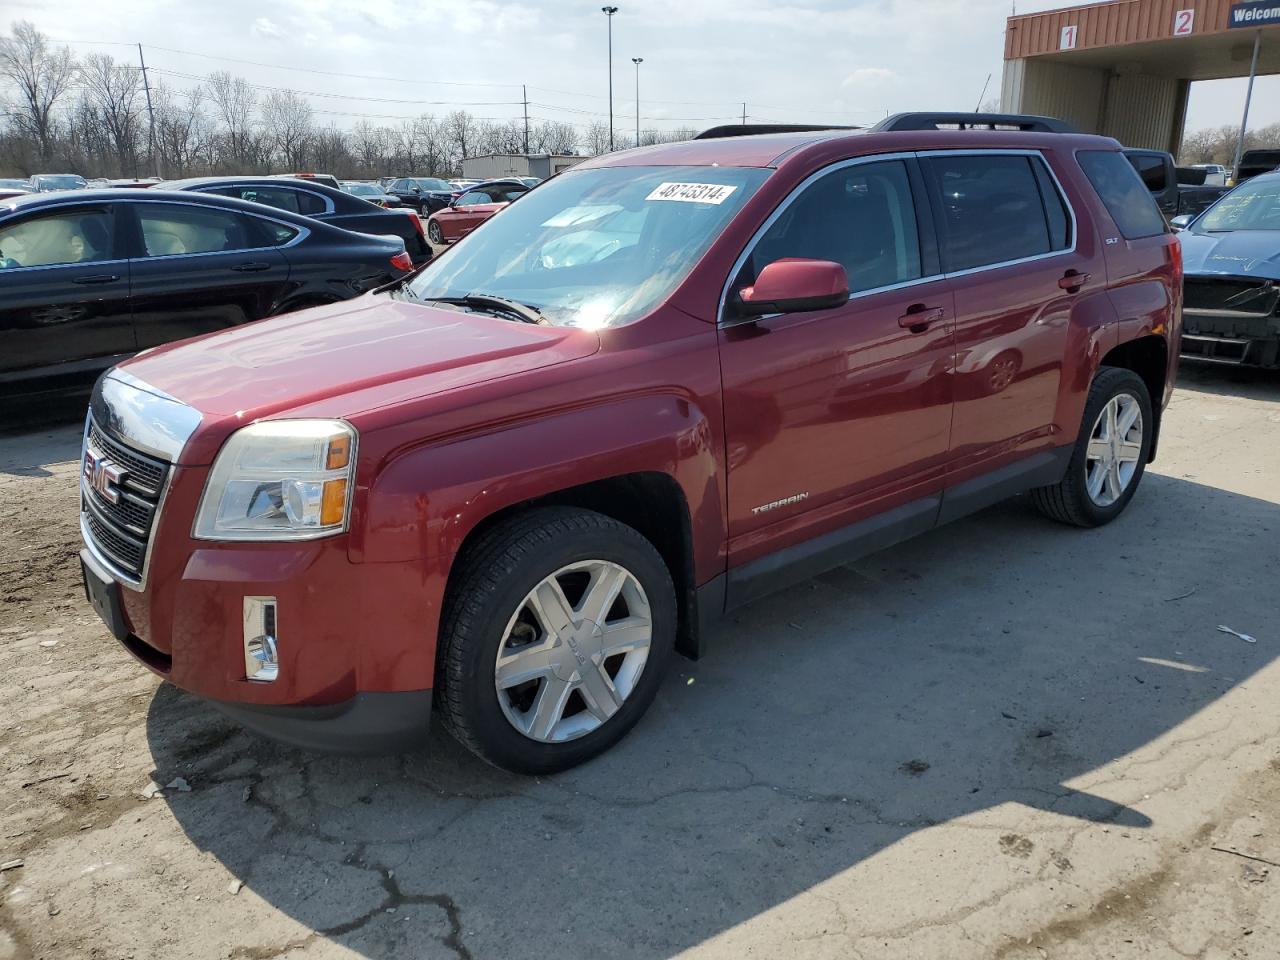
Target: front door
{"points": [[64, 299], [834, 415], [204, 269]]}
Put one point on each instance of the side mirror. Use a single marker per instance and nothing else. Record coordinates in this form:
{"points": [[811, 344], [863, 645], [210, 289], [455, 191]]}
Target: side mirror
{"points": [[1182, 221], [795, 285], [415, 189]]}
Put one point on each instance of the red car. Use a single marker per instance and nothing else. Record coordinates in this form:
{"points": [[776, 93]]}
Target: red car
{"points": [[663, 384], [471, 209]]}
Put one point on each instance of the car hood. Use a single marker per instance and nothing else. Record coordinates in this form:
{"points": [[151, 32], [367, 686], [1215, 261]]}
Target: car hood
{"points": [[1240, 253], [346, 358]]}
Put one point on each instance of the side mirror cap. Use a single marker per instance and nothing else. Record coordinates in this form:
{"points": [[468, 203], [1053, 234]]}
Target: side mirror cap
{"points": [[1182, 221], [795, 285]]}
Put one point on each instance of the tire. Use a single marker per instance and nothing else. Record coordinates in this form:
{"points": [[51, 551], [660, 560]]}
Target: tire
{"points": [[488, 612], [1073, 500], [434, 233]]}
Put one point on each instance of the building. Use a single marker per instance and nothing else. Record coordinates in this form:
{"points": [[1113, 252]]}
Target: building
{"points": [[540, 165], [1124, 68]]}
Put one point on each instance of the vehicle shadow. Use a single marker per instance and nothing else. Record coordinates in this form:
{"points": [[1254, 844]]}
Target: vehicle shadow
{"points": [[992, 662], [1228, 381]]}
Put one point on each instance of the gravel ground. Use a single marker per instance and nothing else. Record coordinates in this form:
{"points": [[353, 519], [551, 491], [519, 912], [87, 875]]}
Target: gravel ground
{"points": [[1005, 739]]}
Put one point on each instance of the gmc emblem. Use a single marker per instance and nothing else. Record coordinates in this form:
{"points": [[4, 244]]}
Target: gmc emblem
{"points": [[103, 475]]}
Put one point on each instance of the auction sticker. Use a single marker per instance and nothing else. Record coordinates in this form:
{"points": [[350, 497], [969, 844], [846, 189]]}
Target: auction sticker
{"points": [[692, 192]]}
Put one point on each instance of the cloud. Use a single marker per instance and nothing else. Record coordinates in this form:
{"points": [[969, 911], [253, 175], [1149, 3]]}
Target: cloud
{"points": [[265, 28], [868, 76]]}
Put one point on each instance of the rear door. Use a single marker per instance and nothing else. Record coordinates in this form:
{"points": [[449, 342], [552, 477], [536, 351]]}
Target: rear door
{"points": [[198, 269], [64, 298], [1009, 241]]}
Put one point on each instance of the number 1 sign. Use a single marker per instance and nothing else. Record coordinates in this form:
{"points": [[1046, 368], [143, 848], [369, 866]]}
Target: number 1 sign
{"points": [[1067, 39]]}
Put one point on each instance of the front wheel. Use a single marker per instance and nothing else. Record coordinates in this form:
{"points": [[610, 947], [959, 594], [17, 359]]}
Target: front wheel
{"points": [[434, 233], [557, 630], [1110, 454]]}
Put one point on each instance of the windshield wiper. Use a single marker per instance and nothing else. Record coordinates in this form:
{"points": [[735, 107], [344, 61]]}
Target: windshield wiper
{"points": [[494, 304]]}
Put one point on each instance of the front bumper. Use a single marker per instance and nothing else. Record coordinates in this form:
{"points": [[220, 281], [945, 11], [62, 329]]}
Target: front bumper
{"points": [[368, 723]]}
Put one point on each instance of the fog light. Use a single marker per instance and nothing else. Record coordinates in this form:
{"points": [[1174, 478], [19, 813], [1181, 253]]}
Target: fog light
{"points": [[261, 661]]}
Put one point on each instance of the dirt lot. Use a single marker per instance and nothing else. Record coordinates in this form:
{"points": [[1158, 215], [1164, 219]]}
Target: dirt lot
{"points": [[1006, 739]]}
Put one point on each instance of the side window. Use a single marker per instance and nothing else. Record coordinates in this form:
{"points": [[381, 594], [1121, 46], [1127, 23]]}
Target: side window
{"points": [[1123, 193], [1056, 214], [73, 236], [861, 216], [172, 230], [1151, 169], [278, 197], [310, 203], [473, 198], [398, 186], [989, 207], [278, 234]]}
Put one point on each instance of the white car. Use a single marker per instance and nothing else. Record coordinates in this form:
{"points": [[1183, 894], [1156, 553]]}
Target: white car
{"points": [[1215, 174]]}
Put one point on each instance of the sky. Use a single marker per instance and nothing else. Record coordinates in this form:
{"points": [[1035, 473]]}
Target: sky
{"points": [[849, 62]]}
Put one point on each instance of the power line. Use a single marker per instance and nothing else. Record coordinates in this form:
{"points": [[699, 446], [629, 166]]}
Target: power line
{"points": [[346, 96]]}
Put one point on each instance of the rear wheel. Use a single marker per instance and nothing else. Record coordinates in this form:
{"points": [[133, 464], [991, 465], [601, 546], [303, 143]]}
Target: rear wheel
{"points": [[434, 233], [1110, 455], [557, 630]]}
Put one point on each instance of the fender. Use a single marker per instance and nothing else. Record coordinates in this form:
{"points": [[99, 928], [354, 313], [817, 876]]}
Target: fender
{"points": [[423, 504]]}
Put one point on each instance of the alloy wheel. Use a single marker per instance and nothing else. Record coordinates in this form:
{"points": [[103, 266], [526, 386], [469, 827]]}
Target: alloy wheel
{"points": [[434, 233], [1115, 447], [573, 651]]}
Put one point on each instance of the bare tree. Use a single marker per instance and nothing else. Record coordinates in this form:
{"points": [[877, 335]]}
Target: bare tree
{"points": [[42, 76], [330, 152], [462, 132], [289, 126], [114, 92], [596, 139], [434, 142], [234, 103], [552, 136], [184, 133]]}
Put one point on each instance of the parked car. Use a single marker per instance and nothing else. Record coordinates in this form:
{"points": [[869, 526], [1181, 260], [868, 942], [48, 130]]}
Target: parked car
{"points": [[1232, 286], [1215, 174], [1255, 162], [460, 186], [46, 182], [471, 209], [133, 183], [319, 202], [426, 195], [371, 192], [514, 490], [1174, 197], [90, 277], [12, 187], [328, 179]]}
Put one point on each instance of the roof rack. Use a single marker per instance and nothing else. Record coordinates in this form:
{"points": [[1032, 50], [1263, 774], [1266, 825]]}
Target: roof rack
{"points": [[974, 121], [752, 129]]}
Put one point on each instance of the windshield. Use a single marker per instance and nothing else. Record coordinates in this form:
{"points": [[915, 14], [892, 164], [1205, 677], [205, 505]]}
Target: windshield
{"points": [[595, 248], [362, 189], [430, 184], [1254, 205], [60, 182]]}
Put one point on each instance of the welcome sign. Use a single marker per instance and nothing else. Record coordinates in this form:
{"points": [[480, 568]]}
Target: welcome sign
{"points": [[1257, 13]]}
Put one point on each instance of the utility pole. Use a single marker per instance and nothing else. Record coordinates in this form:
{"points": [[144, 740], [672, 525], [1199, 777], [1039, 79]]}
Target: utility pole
{"points": [[637, 61], [744, 114], [609, 12], [151, 116], [1248, 96], [525, 92]]}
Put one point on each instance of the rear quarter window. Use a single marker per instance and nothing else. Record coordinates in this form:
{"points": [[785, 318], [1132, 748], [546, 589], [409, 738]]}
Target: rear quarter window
{"points": [[1123, 193]]}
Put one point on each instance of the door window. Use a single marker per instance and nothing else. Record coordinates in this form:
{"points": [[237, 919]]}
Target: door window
{"points": [[1151, 169], [172, 230], [861, 216], [473, 198], [1123, 193], [993, 209], [72, 236]]}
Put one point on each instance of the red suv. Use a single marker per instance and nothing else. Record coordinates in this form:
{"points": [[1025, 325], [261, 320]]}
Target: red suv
{"points": [[663, 384]]}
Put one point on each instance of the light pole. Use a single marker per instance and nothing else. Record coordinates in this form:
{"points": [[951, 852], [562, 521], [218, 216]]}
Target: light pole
{"points": [[609, 12], [637, 61]]}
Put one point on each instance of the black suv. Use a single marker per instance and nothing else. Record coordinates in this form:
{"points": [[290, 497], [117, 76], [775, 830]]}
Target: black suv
{"points": [[424, 194]]}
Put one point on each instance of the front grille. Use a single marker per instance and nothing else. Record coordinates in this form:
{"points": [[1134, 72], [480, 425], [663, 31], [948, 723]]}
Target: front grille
{"points": [[1253, 298], [120, 490]]}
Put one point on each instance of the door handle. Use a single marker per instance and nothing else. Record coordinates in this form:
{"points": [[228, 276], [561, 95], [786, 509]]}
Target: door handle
{"points": [[1073, 280], [255, 267], [919, 317], [98, 278]]}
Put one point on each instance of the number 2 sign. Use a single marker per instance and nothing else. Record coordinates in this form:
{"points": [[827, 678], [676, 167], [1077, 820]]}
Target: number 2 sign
{"points": [[1183, 22], [1067, 39]]}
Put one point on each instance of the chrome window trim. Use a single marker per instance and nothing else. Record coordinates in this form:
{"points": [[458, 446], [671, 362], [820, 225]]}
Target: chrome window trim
{"points": [[6, 271], [283, 185], [722, 321], [303, 232]]}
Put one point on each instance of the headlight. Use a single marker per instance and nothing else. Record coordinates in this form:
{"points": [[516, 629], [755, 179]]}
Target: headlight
{"points": [[280, 480]]}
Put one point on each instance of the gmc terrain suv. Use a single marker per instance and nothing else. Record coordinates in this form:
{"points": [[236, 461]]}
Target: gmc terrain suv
{"points": [[661, 385]]}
